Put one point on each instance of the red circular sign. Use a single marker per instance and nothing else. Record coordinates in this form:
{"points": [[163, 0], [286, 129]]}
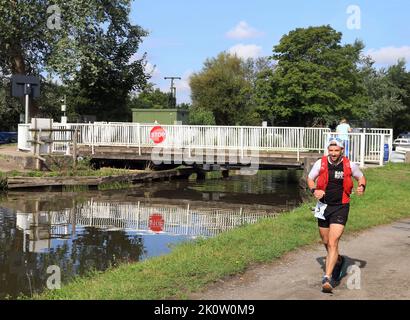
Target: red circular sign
{"points": [[157, 134], [156, 222]]}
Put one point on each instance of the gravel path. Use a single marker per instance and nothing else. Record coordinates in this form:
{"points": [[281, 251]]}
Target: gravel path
{"points": [[381, 254]]}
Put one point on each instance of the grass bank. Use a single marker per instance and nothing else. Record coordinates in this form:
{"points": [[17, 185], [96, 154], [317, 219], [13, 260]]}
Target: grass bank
{"points": [[70, 173], [193, 265]]}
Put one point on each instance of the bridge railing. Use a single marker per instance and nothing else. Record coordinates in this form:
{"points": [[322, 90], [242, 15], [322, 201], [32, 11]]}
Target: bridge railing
{"points": [[212, 137], [367, 146]]}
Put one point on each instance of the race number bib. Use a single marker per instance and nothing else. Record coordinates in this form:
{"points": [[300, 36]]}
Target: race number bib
{"points": [[320, 210]]}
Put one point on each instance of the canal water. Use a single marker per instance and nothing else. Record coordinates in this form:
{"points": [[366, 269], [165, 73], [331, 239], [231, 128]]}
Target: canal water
{"points": [[78, 233]]}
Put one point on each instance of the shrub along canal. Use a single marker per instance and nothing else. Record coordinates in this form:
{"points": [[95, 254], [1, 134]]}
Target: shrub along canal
{"points": [[88, 231]]}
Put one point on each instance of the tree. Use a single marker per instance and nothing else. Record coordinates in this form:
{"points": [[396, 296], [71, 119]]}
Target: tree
{"points": [[398, 75], [199, 116], [222, 88], [316, 78], [10, 108], [258, 73], [384, 96], [150, 98], [25, 41], [92, 50]]}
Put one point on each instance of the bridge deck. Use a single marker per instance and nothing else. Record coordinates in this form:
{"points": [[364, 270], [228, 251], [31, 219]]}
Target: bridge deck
{"points": [[219, 156]]}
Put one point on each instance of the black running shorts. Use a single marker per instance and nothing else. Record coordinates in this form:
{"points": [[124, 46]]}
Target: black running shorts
{"points": [[337, 214]]}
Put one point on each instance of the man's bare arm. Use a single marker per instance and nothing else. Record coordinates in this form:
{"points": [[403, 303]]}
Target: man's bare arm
{"points": [[318, 194], [311, 183], [361, 185]]}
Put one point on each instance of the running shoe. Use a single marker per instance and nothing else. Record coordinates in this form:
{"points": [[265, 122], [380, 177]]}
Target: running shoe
{"points": [[327, 286]]}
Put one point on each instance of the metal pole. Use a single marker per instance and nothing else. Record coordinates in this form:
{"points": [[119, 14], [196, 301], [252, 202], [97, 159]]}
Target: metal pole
{"points": [[26, 111], [173, 89]]}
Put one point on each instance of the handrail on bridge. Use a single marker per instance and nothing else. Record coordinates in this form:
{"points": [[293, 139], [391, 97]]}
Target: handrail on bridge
{"points": [[367, 146]]}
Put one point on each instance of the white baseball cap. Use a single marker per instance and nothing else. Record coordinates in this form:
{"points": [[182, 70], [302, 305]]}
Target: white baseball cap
{"points": [[335, 141]]}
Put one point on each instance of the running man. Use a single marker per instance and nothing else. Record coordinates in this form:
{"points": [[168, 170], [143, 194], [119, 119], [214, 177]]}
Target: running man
{"points": [[333, 188]]}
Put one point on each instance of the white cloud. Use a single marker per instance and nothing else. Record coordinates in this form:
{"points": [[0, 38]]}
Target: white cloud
{"points": [[152, 70], [246, 51], [149, 67], [389, 55], [243, 31], [136, 56], [183, 84], [183, 88]]}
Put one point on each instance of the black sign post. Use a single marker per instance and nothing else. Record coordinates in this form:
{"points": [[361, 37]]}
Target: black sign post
{"points": [[25, 86]]}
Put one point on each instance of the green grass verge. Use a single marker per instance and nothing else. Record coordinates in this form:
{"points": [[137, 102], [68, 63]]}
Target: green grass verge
{"points": [[192, 265]]}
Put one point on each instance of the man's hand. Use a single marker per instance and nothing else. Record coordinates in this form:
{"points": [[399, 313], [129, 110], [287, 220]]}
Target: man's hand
{"points": [[319, 194], [360, 190]]}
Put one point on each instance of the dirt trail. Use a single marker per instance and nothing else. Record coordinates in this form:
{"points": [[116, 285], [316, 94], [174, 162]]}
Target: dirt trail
{"points": [[382, 255]]}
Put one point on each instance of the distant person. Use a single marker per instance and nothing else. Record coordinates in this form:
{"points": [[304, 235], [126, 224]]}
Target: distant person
{"points": [[342, 130], [331, 183]]}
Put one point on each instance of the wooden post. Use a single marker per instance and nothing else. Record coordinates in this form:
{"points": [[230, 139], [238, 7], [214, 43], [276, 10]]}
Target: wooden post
{"points": [[407, 157]]}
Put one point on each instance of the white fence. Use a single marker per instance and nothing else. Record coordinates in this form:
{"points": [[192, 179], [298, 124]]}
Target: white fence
{"points": [[23, 137], [184, 136], [367, 146]]}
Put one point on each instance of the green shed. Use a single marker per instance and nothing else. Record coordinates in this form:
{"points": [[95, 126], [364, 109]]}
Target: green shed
{"points": [[161, 116]]}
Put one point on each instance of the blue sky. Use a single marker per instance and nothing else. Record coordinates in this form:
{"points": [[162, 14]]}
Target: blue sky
{"points": [[183, 33]]}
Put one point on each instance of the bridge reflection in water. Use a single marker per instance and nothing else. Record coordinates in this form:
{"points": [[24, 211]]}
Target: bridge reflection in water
{"points": [[139, 218], [96, 234]]}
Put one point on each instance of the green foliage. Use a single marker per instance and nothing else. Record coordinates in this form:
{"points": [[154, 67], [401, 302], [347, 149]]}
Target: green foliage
{"points": [[25, 41], [150, 98], [36, 173], [84, 164], [93, 53], [3, 183], [385, 96], [200, 116], [316, 78], [49, 104], [401, 79], [10, 108], [222, 88]]}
